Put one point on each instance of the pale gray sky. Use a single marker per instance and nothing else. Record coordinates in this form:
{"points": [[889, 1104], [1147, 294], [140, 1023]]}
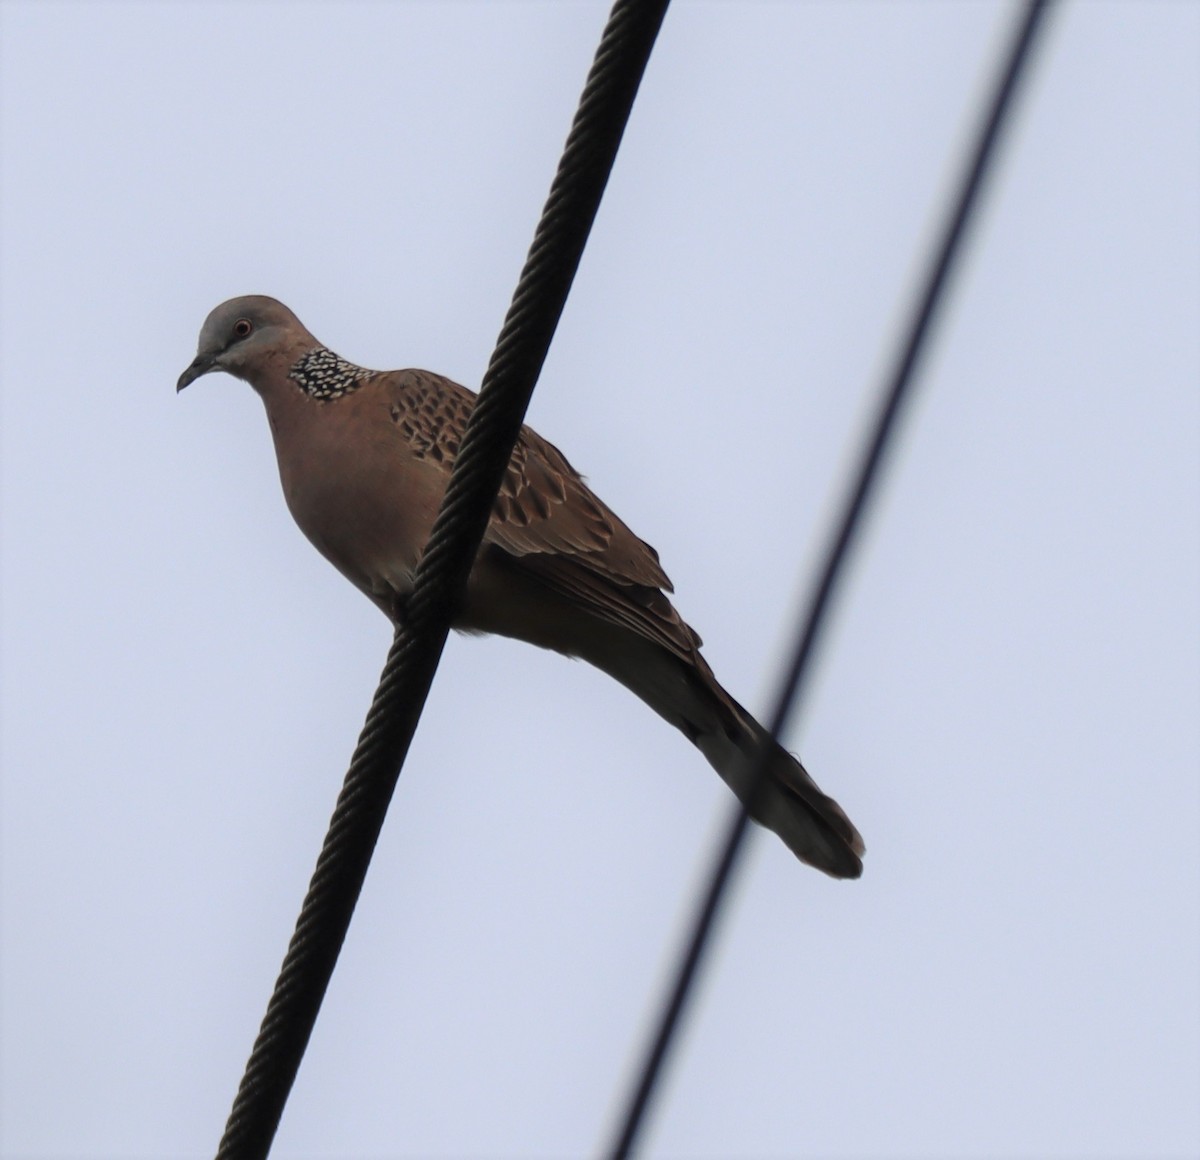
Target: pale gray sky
{"points": [[1007, 704]]}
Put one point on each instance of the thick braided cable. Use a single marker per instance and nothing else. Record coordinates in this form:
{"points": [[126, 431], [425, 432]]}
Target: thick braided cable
{"points": [[441, 577]]}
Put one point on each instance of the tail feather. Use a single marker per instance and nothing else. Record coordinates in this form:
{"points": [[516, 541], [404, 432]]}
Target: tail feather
{"points": [[669, 674], [810, 823]]}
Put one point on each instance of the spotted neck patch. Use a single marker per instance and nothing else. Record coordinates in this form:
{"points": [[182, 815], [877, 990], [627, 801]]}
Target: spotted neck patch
{"points": [[324, 376]]}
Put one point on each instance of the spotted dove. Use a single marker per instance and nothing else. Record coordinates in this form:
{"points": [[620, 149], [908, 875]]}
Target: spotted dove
{"points": [[364, 457]]}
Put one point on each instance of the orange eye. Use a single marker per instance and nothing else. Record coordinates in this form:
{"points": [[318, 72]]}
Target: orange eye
{"points": [[242, 327]]}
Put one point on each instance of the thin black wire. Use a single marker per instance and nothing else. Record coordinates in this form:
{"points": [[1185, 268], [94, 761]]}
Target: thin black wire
{"points": [[441, 577], [897, 389]]}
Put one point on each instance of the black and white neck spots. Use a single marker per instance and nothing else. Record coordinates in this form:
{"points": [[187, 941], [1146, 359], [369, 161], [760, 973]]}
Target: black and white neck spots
{"points": [[324, 376]]}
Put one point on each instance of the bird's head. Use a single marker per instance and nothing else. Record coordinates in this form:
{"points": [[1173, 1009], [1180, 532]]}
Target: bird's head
{"points": [[243, 334]]}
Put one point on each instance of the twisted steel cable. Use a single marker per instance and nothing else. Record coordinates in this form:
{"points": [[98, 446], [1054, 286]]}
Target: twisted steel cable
{"points": [[441, 578]]}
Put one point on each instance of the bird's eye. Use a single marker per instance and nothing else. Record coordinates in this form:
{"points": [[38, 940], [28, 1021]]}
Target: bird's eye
{"points": [[242, 327]]}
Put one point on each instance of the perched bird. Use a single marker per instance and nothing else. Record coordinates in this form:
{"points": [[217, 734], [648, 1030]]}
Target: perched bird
{"points": [[364, 458]]}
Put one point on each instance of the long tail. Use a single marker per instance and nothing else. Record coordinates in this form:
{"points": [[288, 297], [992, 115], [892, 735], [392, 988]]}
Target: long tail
{"points": [[633, 633], [812, 825]]}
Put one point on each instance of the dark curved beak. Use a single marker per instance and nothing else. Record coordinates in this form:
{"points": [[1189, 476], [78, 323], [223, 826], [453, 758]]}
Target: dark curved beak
{"points": [[201, 365]]}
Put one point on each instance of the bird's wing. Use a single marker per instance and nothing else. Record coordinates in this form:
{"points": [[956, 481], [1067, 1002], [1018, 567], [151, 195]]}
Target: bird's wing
{"points": [[546, 519]]}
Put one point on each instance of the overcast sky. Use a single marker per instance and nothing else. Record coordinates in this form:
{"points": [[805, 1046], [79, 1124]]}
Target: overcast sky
{"points": [[1008, 698]]}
